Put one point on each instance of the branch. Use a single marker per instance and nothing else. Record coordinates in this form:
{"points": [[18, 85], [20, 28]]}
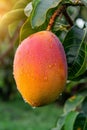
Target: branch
{"points": [[56, 14], [62, 10]]}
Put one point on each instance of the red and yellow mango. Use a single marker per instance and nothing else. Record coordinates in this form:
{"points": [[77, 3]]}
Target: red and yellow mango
{"points": [[40, 68]]}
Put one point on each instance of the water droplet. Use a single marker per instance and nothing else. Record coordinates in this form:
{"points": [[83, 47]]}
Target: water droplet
{"points": [[55, 64], [60, 94], [33, 107], [45, 78], [50, 66], [25, 101]]}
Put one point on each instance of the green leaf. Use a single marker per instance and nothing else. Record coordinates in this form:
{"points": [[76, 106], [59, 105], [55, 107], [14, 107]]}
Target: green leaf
{"points": [[26, 30], [73, 102], [70, 120], [81, 122], [60, 123], [28, 9], [12, 28], [11, 17], [73, 12], [84, 2], [35, 2], [75, 49], [21, 4], [40, 9], [84, 106]]}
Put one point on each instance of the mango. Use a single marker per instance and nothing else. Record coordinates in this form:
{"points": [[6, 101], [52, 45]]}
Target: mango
{"points": [[40, 68]]}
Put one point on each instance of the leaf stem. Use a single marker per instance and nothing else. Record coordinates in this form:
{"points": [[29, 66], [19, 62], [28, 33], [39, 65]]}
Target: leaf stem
{"points": [[56, 14]]}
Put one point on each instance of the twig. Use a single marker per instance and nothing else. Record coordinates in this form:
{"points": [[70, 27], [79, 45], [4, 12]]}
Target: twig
{"points": [[56, 14]]}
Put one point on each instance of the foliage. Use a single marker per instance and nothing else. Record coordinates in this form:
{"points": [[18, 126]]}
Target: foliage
{"points": [[7, 84], [20, 116], [32, 16], [74, 116]]}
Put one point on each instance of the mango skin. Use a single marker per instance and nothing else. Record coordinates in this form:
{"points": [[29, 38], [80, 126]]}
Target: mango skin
{"points": [[40, 68]]}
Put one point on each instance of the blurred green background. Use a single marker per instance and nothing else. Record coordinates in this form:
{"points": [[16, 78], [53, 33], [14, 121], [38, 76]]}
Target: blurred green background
{"points": [[15, 114]]}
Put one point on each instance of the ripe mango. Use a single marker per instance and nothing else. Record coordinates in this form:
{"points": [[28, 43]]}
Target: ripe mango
{"points": [[40, 68]]}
